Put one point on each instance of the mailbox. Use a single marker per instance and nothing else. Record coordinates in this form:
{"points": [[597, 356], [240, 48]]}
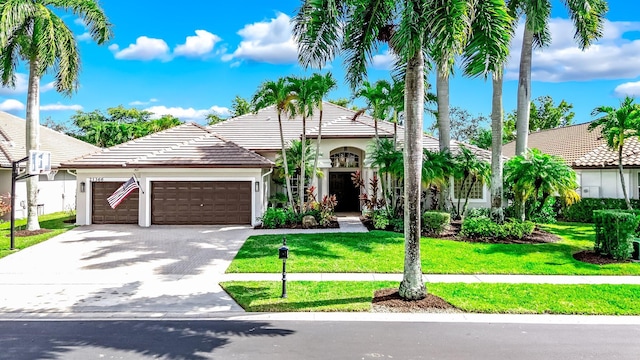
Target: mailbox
{"points": [[283, 252]]}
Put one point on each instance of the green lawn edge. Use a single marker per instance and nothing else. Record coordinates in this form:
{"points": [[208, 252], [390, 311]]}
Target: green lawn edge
{"points": [[383, 252], [54, 222], [352, 296]]}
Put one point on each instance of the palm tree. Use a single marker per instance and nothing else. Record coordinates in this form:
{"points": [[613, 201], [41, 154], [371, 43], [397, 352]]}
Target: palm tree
{"points": [[277, 93], [617, 125], [536, 174], [375, 95], [30, 30], [305, 94], [323, 84], [486, 53], [325, 28], [294, 158], [588, 20], [470, 170]]}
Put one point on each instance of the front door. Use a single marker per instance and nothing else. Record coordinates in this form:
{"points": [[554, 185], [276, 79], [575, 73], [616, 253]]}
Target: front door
{"points": [[348, 196]]}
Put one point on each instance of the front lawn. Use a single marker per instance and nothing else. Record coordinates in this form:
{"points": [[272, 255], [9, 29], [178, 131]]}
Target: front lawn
{"points": [[54, 222], [383, 252], [264, 296]]}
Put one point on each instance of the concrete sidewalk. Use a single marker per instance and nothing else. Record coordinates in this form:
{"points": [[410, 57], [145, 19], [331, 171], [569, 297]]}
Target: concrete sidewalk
{"points": [[510, 279]]}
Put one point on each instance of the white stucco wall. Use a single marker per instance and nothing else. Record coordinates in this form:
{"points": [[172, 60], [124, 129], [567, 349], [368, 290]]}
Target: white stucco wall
{"points": [[54, 195], [605, 183], [146, 176]]}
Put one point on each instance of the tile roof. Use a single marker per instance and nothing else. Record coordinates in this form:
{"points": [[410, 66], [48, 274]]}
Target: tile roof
{"points": [[602, 156], [187, 145], [13, 142], [259, 132], [570, 142]]}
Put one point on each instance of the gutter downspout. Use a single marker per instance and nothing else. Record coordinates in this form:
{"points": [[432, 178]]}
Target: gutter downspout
{"points": [[264, 191]]}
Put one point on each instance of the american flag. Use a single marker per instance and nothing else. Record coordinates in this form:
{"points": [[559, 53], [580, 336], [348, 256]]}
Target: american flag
{"points": [[122, 192]]}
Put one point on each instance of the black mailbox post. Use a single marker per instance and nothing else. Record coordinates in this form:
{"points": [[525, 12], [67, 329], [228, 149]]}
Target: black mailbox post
{"points": [[283, 254]]}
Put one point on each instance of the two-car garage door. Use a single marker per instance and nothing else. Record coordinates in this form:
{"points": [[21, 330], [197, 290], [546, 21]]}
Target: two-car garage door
{"points": [[180, 203]]}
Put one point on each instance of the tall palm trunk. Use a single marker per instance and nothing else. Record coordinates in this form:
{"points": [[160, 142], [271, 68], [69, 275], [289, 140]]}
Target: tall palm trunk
{"points": [[444, 128], [33, 141], [524, 93], [315, 162], [303, 164], [624, 186], [412, 287], [497, 193], [287, 175]]}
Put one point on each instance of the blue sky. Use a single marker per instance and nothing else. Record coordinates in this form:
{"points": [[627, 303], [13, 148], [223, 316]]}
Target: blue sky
{"points": [[192, 59]]}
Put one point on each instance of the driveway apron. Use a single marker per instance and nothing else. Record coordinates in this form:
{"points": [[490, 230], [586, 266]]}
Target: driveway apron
{"points": [[123, 269]]}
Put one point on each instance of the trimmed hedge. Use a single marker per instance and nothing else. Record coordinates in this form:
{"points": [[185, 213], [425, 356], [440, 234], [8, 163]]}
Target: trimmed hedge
{"points": [[615, 231], [582, 211], [435, 222], [483, 227]]}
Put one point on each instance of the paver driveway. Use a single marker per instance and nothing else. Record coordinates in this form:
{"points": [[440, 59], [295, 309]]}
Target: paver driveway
{"points": [[123, 269]]}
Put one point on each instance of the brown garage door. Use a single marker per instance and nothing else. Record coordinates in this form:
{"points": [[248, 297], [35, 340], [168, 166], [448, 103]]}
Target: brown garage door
{"points": [[102, 213], [200, 202]]}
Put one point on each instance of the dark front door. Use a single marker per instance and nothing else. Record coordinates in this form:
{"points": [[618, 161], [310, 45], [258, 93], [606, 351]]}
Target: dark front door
{"points": [[348, 196]]}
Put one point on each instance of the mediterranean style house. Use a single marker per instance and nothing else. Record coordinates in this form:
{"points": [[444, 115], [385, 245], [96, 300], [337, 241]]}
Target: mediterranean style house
{"points": [[56, 192], [223, 174], [588, 154]]}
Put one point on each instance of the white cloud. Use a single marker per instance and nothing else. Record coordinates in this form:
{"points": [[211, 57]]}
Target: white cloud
{"points": [[267, 41], [85, 36], [139, 103], [145, 49], [197, 46], [21, 86], [47, 87], [628, 89], [187, 114], [11, 105], [384, 61], [611, 57], [60, 107]]}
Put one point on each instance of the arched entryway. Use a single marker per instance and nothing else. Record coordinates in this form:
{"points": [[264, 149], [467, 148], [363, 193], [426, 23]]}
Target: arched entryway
{"points": [[344, 162]]}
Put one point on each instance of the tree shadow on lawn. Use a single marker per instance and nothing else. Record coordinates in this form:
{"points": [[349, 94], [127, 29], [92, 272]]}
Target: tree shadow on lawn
{"points": [[570, 232]]}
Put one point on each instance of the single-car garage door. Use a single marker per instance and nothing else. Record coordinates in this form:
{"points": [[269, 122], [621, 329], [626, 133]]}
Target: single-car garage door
{"points": [[200, 202], [102, 213]]}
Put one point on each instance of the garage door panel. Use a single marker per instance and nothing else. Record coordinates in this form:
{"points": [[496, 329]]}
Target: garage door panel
{"points": [[102, 213], [201, 202]]}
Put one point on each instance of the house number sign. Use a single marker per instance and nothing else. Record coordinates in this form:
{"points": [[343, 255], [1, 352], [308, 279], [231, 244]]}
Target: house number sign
{"points": [[96, 179]]}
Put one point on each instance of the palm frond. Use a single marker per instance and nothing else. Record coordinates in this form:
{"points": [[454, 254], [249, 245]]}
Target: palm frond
{"points": [[90, 12], [449, 29], [588, 18], [318, 31]]}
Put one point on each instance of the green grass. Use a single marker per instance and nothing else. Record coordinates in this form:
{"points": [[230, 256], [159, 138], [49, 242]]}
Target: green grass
{"points": [[264, 296], [54, 222], [383, 252]]}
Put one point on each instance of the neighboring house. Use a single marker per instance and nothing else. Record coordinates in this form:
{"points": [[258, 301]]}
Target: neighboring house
{"points": [[56, 192], [588, 154], [234, 158]]}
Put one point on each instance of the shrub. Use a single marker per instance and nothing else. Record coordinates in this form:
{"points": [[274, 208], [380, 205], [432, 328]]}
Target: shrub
{"points": [[483, 227], [397, 223], [615, 230], [582, 211], [478, 212], [5, 204], [380, 220], [273, 218], [435, 222]]}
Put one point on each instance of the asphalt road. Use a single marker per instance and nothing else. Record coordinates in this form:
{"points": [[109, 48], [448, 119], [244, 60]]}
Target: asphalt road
{"points": [[227, 339]]}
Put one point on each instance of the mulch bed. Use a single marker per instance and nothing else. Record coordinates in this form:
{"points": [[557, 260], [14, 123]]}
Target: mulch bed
{"points": [[388, 300], [592, 257], [332, 225], [23, 233]]}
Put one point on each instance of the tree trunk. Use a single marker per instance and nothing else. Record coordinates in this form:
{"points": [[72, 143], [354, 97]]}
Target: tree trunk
{"points": [[412, 287], [303, 164], [33, 141], [287, 175], [497, 193], [624, 186], [524, 93], [315, 161], [458, 213], [444, 128], [466, 199]]}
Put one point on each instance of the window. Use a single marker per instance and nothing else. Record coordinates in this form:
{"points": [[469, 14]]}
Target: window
{"points": [[476, 191], [345, 159]]}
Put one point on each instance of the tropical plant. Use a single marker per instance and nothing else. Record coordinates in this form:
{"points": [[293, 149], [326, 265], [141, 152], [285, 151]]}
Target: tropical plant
{"points": [[240, 106], [370, 200], [617, 125], [5, 205], [32, 31], [437, 168], [588, 20], [375, 96], [323, 85], [390, 164], [539, 176], [469, 170], [277, 93], [295, 160]]}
